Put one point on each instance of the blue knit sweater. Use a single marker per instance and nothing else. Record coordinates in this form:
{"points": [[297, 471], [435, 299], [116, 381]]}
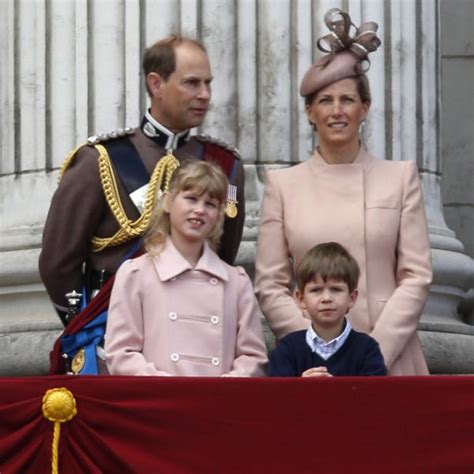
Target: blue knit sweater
{"points": [[359, 355]]}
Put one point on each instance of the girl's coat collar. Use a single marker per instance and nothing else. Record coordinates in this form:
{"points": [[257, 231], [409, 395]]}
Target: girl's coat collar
{"points": [[170, 263]]}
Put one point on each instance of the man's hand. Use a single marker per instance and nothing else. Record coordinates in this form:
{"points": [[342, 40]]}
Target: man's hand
{"points": [[316, 372]]}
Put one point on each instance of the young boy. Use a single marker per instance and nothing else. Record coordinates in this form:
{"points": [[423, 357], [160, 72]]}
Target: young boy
{"points": [[327, 289]]}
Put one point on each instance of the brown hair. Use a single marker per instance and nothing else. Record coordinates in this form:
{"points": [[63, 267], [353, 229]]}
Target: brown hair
{"points": [[161, 56], [199, 176], [363, 89], [328, 260]]}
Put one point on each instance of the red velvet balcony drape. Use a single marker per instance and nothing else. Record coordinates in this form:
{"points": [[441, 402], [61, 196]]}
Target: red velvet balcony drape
{"points": [[205, 425]]}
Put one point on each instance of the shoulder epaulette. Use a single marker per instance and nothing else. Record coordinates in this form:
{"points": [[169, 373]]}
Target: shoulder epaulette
{"points": [[105, 137], [219, 142], [93, 141]]}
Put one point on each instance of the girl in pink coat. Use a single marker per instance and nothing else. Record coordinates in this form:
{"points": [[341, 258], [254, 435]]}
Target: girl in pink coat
{"points": [[179, 309]]}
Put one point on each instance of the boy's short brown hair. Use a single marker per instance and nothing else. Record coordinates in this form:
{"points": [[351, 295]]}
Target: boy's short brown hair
{"points": [[328, 260]]}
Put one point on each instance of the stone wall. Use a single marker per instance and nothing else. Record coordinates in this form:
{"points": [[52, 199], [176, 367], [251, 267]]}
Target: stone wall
{"points": [[71, 69], [457, 119]]}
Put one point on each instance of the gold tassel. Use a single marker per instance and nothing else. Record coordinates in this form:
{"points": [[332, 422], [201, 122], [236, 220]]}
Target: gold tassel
{"points": [[160, 179], [59, 406]]}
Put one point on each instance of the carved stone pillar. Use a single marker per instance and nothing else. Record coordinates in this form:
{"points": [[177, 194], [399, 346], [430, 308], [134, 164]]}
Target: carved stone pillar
{"points": [[447, 340]]}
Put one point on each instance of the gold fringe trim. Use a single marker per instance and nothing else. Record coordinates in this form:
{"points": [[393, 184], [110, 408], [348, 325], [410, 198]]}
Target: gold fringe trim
{"points": [[160, 179], [67, 162], [59, 406]]}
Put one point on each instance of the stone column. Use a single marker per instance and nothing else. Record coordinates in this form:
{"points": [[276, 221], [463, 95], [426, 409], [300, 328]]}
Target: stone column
{"points": [[447, 340], [27, 323]]}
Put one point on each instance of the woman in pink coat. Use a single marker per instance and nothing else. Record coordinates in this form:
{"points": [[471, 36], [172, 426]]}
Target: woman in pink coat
{"points": [[372, 207], [179, 309]]}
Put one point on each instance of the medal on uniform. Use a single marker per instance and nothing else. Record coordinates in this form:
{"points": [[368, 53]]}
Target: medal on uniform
{"points": [[78, 361], [231, 204]]}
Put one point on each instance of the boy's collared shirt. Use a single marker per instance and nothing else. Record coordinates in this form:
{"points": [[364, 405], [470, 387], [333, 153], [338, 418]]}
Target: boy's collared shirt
{"points": [[326, 349]]}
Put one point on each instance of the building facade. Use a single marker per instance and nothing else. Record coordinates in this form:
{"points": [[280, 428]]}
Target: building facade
{"points": [[71, 69]]}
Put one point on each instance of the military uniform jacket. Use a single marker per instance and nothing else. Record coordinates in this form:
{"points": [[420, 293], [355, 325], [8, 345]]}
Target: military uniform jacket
{"points": [[375, 209], [167, 318], [79, 211]]}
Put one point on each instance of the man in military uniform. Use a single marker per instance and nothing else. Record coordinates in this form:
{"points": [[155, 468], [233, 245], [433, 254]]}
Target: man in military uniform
{"points": [[105, 194]]}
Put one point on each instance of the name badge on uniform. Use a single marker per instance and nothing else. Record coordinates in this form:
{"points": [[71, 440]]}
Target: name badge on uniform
{"points": [[231, 204]]}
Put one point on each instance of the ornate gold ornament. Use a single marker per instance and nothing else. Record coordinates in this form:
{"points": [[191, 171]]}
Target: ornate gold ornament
{"points": [[160, 179], [59, 406], [78, 361], [231, 209]]}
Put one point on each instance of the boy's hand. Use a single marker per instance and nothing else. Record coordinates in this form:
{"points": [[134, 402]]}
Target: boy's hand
{"points": [[316, 372]]}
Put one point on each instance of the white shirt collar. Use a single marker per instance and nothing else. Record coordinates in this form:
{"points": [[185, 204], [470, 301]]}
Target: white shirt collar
{"points": [[327, 349]]}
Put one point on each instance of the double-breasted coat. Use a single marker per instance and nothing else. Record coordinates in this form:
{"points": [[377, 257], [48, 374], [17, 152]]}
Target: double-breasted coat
{"points": [[166, 318], [375, 209]]}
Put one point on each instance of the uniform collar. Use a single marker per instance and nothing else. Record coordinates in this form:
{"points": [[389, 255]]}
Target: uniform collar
{"points": [[161, 135], [170, 263]]}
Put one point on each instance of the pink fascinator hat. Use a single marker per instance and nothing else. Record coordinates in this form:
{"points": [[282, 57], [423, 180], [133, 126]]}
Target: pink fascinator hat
{"points": [[348, 53]]}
